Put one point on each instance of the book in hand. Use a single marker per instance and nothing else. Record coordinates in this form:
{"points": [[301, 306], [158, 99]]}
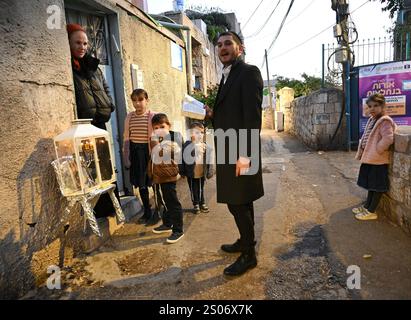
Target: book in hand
{"points": [[193, 108]]}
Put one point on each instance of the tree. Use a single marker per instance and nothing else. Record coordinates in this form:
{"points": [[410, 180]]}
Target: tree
{"points": [[214, 18], [208, 99], [393, 6], [301, 87]]}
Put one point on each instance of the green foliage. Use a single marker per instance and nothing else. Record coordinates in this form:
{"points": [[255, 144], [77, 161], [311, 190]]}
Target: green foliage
{"points": [[208, 99], [392, 6], [213, 17], [303, 87]]}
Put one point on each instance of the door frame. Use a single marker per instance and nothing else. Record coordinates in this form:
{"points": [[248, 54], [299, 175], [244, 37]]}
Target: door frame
{"points": [[111, 13]]}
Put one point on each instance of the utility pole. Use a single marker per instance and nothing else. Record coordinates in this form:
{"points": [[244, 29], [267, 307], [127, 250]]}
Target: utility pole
{"points": [[341, 32], [269, 89]]}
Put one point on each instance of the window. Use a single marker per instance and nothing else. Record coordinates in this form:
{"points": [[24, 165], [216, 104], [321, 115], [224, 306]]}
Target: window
{"points": [[176, 56]]}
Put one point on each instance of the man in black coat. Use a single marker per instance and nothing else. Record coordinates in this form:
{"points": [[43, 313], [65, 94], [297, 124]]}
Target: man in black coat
{"points": [[239, 180]]}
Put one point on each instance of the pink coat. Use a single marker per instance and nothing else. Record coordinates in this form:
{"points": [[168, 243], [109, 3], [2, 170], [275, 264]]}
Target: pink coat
{"points": [[126, 136], [376, 150]]}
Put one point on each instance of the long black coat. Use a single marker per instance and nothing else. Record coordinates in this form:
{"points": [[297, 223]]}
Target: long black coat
{"points": [[93, 97], [238, 106]]}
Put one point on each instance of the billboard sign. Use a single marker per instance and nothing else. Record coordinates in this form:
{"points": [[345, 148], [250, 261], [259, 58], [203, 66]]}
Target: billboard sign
{"points": [[393, 80]]}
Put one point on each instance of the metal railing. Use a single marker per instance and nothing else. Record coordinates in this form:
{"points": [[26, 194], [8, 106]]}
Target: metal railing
{"points": [[365, 52]]}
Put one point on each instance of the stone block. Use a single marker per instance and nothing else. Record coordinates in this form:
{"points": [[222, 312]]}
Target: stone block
{"points": [[403, 143], [331, 129], [322, 119], [334, 97], [329, 108], [407, 197], [334, 118], [402, 166], [387, 207], [397, 189], [322, 98], [319, 108], [338, 106], [404, 217], [320, 128]]}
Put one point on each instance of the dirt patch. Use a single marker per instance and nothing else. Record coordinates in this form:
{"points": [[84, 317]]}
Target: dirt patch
{"points": [[144, 261], [306, 272]]}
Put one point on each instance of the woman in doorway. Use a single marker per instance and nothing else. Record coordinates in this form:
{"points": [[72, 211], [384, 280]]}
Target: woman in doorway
{"points": [[93, 98]]}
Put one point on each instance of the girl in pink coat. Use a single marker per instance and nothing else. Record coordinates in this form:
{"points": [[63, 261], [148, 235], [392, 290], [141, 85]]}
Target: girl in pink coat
{"points": [[373, 152]]}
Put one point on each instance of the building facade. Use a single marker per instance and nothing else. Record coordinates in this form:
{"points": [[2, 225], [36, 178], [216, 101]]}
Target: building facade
{"points": [[38, 103]]}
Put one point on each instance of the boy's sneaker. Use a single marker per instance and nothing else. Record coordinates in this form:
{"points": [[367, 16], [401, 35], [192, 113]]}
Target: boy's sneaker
{"points": [[204, 208], [196, 209], [366, 215], [358, 210], [162, 229], [175, 236]]}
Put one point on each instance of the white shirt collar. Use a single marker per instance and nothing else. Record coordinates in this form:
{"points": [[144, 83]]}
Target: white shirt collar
{"points": [[226, 72]]}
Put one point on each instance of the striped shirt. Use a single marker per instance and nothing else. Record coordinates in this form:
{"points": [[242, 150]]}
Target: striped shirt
{"points": [[367, 132], [139, 128]]}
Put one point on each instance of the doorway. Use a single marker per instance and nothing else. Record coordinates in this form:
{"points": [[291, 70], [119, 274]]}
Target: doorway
{"points": [[100, 32]]}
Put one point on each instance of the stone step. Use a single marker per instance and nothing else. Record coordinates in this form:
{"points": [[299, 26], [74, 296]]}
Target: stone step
{"points": [[109, 225], [131, 206]]}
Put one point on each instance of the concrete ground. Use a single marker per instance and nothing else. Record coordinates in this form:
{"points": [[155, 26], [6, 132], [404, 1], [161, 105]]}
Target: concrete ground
{"points": [[307, 238]]}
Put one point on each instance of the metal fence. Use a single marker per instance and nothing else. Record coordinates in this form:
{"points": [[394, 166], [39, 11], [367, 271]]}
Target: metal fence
{"points": [[365, 52]]}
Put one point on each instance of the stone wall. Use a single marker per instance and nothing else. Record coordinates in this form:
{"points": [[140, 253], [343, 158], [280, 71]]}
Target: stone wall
{"points": [[37, 103], [396, 204], [314, 119], [151, 51]]}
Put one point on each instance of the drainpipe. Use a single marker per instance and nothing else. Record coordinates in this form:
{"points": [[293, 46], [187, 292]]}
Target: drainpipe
{"points": [[189, 65]]}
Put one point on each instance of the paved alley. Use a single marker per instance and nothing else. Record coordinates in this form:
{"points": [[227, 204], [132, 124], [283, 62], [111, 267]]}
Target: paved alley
{"points": [[307, 238]]}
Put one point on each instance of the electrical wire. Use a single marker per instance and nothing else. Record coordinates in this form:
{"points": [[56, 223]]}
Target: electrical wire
{"points": [[281, 26], [316, 35], [252, 15], [264, 37], [266, 21], [302, 11], [279, 30]]}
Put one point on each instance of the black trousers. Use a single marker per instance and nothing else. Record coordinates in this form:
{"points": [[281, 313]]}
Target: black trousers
{"points": [[373, 199], [173, 214], [244, 219], [145, 198], [197, 190]]}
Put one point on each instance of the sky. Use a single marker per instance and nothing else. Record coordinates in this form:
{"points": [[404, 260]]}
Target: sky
{"points": [[306, 19]]}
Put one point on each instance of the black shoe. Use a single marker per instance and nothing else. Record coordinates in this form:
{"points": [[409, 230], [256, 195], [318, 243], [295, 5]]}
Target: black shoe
{"points": [[246, 261], [196, 209], [146, 216], [155, 218], [232, 248], [162, 229], [176, 236], [204, 208], [142, 220]]}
